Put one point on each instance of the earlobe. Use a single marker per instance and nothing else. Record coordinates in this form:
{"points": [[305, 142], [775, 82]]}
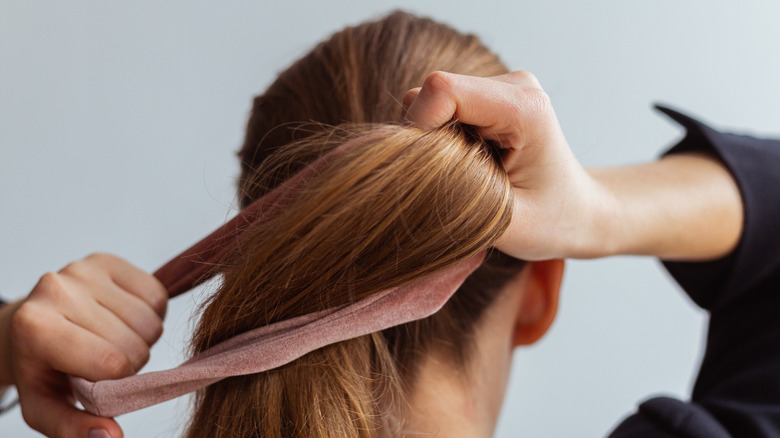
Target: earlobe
{"points": [[542, 285]]}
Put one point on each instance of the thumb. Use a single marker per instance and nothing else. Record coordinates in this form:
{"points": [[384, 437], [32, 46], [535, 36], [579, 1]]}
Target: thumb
{"points": [[56, 418], [408, 100]]}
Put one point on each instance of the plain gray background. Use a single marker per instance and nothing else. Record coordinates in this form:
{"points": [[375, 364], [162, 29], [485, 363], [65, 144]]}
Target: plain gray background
{"points": [[119, 122]]}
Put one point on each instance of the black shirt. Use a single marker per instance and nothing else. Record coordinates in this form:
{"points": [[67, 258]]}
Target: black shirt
{"points": [[737, 391]]}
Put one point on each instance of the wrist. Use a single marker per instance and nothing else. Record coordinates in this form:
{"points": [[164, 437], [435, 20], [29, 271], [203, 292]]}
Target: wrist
{"points": [[599, 231], [6, 315]]}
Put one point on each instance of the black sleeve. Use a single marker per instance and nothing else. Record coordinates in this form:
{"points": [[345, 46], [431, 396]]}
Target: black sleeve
{"points": [[737, 391]]}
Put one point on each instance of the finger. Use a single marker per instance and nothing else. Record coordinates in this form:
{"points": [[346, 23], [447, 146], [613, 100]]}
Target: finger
{"points": [[54, 417], [408, 99], [521, 78], [135, 313], [95, 276], [96, 318], [135, 280], [501, 111], [62, 300], [435, 103], [42, 338]]}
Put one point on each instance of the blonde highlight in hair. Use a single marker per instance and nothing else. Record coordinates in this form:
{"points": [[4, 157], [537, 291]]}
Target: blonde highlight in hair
{"points": [[396, 204]]}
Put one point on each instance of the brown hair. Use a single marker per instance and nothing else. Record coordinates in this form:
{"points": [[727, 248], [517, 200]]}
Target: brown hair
{"points": [[402, 204]]}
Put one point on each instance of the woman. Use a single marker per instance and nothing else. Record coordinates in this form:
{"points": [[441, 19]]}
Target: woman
{"points": [[415, 199]]}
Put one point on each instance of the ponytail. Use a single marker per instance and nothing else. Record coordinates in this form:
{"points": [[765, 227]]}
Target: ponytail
{"points": [[400, 203]]}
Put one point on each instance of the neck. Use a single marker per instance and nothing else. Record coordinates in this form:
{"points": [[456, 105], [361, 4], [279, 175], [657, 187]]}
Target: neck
{"points": [[448, 402], [464, 402]]}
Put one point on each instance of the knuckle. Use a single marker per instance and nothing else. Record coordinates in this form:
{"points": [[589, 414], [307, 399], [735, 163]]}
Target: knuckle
{"points": [[520, 74], [141, 358], [49, 282], [439, 81], [159, 297], [137, 354], [101, 259], [97, 256], [52, 288], [56, 291], [533, 101], [526, 77], [157, 331], [538, 99], [525, 74], [409, 96], [114, 363], [78, 269], [161, 307], [25, 321]]}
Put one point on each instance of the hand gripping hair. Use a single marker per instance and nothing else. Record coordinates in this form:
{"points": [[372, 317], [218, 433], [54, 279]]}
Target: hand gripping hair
{"points": [[406, 216]]}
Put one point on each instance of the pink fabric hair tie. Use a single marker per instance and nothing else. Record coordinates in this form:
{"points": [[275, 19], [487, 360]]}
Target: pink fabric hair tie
{"points": [[276, 344]]}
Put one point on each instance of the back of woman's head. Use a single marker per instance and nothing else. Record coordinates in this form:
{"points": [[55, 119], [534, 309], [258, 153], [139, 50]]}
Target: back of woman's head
{"points": [[397, 204]]}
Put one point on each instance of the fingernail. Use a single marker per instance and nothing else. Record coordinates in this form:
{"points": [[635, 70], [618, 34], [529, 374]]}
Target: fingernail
{"points": [[99, 433]]}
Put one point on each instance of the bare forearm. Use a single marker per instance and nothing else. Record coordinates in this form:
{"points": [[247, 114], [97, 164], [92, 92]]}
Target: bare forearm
{"points": [[682, 207]]}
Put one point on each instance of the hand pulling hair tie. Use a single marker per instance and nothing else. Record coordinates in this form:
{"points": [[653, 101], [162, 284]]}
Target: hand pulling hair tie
{"points": [[275, 344]]}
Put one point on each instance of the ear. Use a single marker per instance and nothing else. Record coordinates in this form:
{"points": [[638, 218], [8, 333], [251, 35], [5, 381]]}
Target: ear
{"points": [[541, 284]]}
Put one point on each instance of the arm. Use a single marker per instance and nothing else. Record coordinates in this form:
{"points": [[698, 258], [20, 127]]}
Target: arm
{"points": [[666, 208]]}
